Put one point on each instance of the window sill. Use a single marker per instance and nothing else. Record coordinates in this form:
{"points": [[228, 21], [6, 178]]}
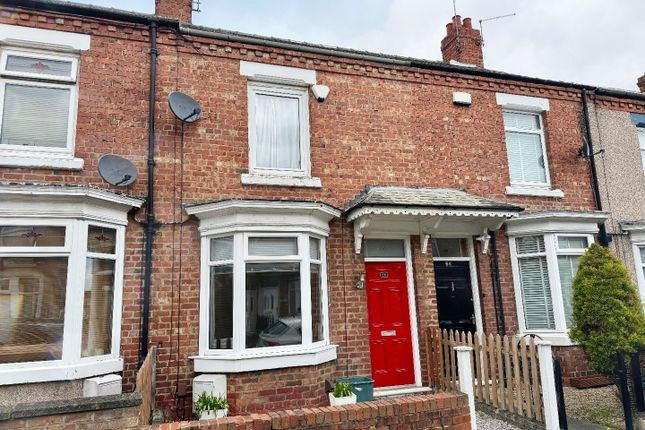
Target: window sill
{"points": [[281, 181], [517, 190], [263, 361], [25, 373], [40, 160], [556, 339]]}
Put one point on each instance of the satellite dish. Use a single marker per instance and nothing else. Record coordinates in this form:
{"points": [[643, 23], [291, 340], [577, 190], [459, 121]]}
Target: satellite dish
{"points": [[117, 170], [184, 107]]}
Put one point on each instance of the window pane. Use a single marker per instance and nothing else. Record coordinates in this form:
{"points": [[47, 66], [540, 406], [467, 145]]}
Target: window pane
{"points": [[97, 307], [641, 139], [316, 304], [277, 129], [35, 116], [222, 248], [567, 267], [28, 235], [314, 248], [101, 239], [449, 248], [273, 311], [524, 121], [529, 244], [221, 308], [572, 242], [32, 308], [642, 250], [384, 248], [525, 157], [39, 66], [536, 294], [273, 246]]}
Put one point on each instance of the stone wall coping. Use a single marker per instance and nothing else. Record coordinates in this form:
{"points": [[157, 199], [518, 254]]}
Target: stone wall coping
{"points": [[81, 404]]}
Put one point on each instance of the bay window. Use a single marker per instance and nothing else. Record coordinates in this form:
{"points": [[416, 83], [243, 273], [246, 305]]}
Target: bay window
{"points": [[264, 285], [61, 275]]}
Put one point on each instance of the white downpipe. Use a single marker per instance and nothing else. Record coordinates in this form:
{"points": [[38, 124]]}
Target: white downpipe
{"points": [[547, 378], [466, 380]]}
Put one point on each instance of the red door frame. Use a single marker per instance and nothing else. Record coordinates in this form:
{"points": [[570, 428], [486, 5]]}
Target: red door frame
{"points": [[390, 324]]}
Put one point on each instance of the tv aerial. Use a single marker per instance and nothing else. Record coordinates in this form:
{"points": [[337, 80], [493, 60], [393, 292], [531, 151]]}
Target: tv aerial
{"points": [[117, 170], [184, 107]]}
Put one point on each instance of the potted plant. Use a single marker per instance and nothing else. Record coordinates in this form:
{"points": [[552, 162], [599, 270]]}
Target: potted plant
{"points": [[342, 395], [209, 406]]}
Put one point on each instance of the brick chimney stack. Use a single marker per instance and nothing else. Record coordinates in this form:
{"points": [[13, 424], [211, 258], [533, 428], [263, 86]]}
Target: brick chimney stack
{"points": [[175, 9], [641, 83], [462, 43]]}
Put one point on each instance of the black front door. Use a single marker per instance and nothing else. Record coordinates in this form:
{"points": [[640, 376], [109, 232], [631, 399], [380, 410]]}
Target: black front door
{"points": [[454, 295]]}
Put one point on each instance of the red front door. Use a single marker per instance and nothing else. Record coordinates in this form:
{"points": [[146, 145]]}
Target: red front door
{"points": [[389, 322]]}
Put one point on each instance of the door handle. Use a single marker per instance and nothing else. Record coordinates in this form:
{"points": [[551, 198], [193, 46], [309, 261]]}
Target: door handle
{"points": [[452, 287]]}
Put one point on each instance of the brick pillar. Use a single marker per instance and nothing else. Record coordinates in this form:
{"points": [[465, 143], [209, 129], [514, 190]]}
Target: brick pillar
{"points": [[462, 43], [175, 9]]}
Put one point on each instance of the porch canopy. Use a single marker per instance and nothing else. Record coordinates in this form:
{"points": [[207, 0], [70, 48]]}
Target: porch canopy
{"points": [[383, 211]]}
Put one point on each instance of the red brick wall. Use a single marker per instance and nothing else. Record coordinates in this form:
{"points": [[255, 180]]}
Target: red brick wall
{"points": [[442, 411], [574, 363], [380, 125]]}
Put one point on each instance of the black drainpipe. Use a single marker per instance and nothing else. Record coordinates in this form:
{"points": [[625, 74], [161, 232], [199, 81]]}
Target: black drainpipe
{"points": [[602, 230], [149, 224], [497, 286]]}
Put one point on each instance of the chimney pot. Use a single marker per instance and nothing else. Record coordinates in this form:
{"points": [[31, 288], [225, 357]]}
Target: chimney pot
{"points": [[462, 43], [641, 83], [181, 10]]}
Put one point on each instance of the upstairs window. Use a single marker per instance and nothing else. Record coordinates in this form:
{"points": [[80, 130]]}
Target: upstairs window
{"points": [[38, 99], [641, 141], [525, 149], [278, 129]]}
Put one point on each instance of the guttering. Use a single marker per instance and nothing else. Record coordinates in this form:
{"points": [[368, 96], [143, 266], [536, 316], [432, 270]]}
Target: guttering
{"points": [[602, 233]]}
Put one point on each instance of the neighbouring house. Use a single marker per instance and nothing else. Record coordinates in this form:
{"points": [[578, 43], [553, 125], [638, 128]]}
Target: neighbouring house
{"points": [[292, 241], [618, 148]]}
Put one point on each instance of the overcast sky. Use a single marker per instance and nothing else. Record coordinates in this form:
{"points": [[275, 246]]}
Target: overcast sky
{"points": [[596, 42]]}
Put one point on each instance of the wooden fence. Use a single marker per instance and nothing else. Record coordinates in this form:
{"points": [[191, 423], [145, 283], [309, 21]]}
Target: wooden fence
{"points": [[505, 372], [146, 385]]}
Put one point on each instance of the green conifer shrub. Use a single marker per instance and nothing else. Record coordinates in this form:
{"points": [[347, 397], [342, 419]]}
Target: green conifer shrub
{"points": [[607, 310]]}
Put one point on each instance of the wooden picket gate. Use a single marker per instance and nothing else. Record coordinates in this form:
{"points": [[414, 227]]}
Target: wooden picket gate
{"points": [[505, 372]]}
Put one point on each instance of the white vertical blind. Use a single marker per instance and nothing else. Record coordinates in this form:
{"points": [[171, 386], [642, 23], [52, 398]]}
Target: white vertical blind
{"points": [[273, 246], [35, 116], [524, 148], [567, 268], [277, 125], [534, 281]]}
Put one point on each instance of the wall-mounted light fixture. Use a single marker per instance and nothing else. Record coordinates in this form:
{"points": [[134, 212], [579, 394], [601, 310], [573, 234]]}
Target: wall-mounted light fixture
{"points": [[360, 284]]}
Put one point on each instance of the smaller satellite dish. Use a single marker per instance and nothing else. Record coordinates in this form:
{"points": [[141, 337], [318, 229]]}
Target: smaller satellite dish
{"points": [[117, 170], [184, 107]]}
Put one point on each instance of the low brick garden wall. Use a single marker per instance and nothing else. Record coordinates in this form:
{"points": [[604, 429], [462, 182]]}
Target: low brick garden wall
{"points": [[97, 413], [445, 411]]}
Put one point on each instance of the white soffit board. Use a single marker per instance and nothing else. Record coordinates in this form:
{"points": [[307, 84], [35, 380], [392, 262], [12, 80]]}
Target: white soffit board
{"points": [[273, 73], [514, 101], [41, 38]]}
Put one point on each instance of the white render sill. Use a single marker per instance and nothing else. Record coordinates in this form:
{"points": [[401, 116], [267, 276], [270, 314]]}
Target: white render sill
{"points": [[263, 361], [26, 373], [516, 190], [400, 391], [281, 181], [556, 339], [40, 161]]}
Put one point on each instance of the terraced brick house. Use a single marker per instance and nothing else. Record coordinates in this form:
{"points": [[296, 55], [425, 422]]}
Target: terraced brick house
{"points": [[283, 241]]}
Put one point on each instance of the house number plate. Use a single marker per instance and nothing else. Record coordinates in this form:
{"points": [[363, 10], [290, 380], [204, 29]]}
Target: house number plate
{"points": [[384, 275], [388, 333]]}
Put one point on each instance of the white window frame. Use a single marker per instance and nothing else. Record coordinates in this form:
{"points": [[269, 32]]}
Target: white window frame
{"points": [[71, 365], [279, 81], [641, 146], [559, 335], [540, 132], [637, 239], [48, 45]]}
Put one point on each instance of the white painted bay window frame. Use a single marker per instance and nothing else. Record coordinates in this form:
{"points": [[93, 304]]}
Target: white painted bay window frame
{"points": [[249, 219], [46, 45], [76, 209], [637, 239], [550, 226]]}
